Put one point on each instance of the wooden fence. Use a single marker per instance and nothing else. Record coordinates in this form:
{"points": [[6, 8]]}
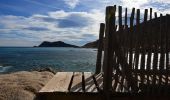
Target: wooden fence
{"points": [[136, 54]]}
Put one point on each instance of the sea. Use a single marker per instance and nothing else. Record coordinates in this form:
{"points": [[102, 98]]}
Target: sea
{"points": [[14, 59]]}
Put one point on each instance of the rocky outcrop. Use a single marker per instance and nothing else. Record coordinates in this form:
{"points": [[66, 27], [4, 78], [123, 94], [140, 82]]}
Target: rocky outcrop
{"points": [[93, 44], [22, 85], [56, 44]]}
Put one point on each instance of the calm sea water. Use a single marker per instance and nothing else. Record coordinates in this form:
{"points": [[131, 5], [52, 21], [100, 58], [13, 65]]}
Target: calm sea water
{"points": [[62, 59]]}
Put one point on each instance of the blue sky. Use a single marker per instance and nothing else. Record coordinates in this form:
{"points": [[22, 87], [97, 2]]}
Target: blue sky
{"points": [[29, 22]]}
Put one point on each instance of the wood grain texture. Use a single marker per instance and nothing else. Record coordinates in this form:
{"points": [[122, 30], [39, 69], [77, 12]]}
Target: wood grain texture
{"points": [[99, 81], [59, 83], [76, 85], [89, 83], [108, 49], [100, 48]]}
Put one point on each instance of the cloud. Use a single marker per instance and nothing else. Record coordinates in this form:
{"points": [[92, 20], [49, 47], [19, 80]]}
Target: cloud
{"points": [[77, 24], [71, 3], [160, 6], [74, 27], [162, 1], [41, 4], [36, 28], [75, 20], [17, 42], [133, 3]]}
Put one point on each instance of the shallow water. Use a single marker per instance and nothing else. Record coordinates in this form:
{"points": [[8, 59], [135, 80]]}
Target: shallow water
{"points": [[62, 59]]}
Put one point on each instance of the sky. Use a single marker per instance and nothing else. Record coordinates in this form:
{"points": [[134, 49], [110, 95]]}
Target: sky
{"points": [[29, 22]]}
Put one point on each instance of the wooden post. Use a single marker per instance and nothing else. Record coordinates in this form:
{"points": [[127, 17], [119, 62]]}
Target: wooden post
{"points": [[155, 14], [124, 45], [126, 18], [143, 49], [120, 19], [126, 34], [108, 49], [167, 47], [131, 39], [100, 48], [149, 49], [125, 67], [149, 46], [150, 13], [162, 52], [120, 40], [137, 33], [155, 57], [167, 33]]}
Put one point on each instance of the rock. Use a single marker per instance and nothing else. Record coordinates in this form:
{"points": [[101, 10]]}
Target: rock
{"points": [[22, 85], [49, 69]]}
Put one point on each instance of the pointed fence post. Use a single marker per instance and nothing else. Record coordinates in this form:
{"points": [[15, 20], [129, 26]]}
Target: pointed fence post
{"points": [[100, 48], [108, 49]]}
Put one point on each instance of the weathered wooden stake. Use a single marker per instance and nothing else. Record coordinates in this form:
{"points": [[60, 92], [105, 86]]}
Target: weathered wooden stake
{"points": [[108, 56], [100, 48]]}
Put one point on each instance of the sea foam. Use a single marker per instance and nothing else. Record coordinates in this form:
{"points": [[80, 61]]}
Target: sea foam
{"points": [[4, 68]]}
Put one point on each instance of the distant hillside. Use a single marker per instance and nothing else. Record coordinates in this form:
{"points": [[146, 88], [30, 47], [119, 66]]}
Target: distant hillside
{"points": [[56, 44], [93, 44]]}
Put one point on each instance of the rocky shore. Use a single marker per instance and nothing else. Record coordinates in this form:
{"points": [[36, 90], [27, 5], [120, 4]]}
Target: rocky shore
{"points": [[23, 85]]}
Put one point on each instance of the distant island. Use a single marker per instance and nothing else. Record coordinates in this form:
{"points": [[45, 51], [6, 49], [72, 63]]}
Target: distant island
{"points": [[93, 44], [56, 44]]}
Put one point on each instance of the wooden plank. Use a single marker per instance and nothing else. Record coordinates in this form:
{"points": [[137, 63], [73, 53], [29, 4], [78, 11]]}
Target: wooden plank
{"points": [[89, 83], [118, 88], [59, 83], [115, 81], [98, 79], [76, 85], [100, 48]]}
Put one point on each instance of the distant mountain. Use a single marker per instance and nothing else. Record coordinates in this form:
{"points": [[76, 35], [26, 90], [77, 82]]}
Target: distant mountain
{"points": [[56, 44], [93, 44]]}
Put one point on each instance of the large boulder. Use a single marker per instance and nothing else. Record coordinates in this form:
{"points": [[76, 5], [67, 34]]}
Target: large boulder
{"points": [[22, 85]]}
